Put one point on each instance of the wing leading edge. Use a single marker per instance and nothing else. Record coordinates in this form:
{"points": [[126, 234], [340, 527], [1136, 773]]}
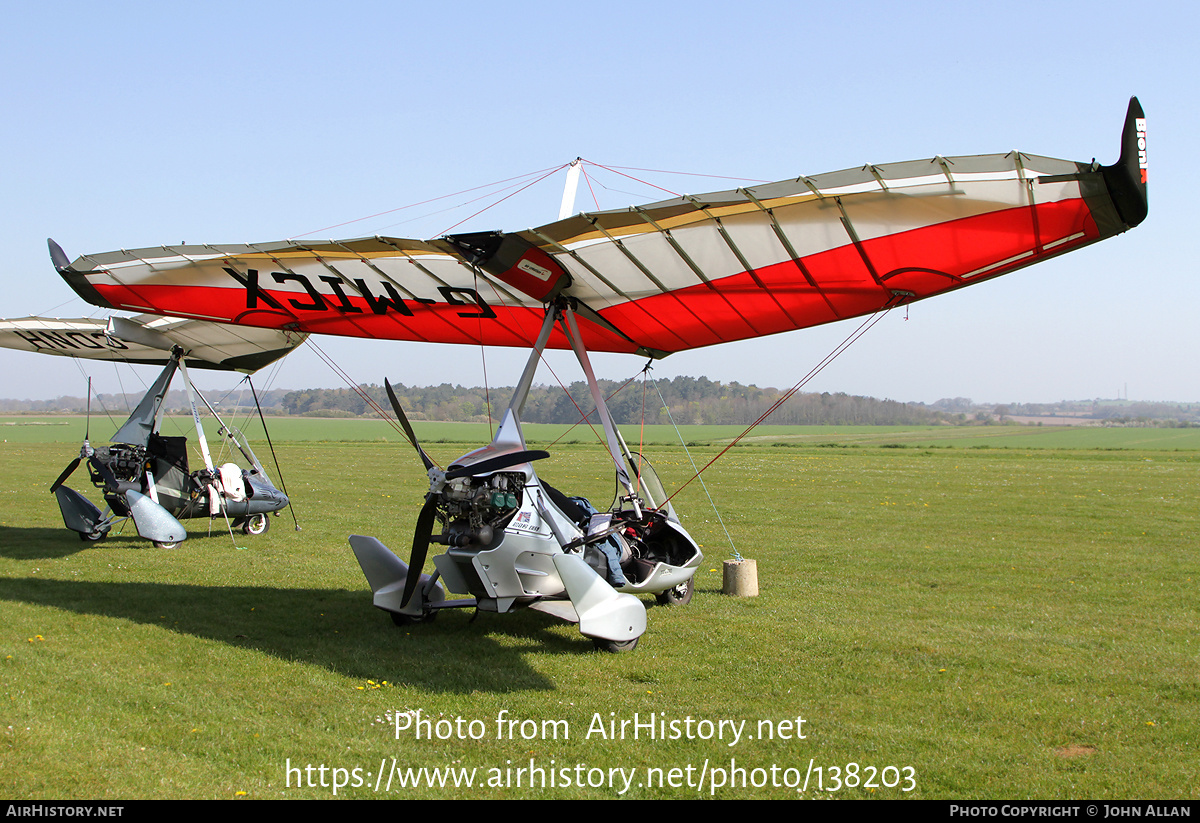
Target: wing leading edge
{"points": [[679, 274]]}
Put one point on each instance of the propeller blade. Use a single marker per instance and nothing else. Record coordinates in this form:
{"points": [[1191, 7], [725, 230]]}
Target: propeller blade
{"points": [[110, 480], [412, 438], [74, 464], [420, 547], [62, 478], [495, 464]]}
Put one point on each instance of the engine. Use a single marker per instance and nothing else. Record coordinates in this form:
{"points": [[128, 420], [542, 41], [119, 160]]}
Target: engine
{"points": [[474, 510]]}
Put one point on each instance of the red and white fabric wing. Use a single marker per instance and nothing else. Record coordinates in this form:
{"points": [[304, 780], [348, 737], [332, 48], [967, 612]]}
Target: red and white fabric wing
{"points": [[665, 277]]}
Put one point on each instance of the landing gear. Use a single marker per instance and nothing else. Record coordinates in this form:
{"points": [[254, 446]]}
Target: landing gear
{"points": [[166, 544], [680, 595], [93, 537], [410, 620], [255, 524], [614, 646]]}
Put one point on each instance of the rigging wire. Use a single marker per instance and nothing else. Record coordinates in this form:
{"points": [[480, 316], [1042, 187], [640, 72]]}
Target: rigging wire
{"points": [[736, 554], [461, 205], [685, 173], [271, 446], [517, 182], [370, 401], [588, 179], [502, 199], [853, 337], [103, 408], [613, 169], [431, 200]]}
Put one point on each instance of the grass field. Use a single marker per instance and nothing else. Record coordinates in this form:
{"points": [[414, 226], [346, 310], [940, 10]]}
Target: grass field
{"points": [[65, 429], [1014, 621]]}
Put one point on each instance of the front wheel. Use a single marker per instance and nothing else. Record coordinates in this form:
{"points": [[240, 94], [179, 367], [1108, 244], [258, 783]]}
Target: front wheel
{"points": [[614, 646], [409, 620], [166, 544], [256, 524], [679, 595]]}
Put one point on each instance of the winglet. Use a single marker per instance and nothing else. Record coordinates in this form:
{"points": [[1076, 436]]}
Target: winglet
{"points": [[1126, 179], [75, 280], [58, 257]]}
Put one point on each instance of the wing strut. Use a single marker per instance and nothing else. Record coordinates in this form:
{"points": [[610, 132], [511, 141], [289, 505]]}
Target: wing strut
{"points": [[610, 431]]}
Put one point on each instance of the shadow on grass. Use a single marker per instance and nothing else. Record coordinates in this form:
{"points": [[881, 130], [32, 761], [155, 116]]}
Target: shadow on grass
{"points": [[332, 628], [48, 544]]}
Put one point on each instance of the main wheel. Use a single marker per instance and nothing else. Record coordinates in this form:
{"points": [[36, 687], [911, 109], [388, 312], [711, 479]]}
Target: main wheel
{"points": [[614, 646], [93, 537], [679, 595], [410, 620], [256, 524]]}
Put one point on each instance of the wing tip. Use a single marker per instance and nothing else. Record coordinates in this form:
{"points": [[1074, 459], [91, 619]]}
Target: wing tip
{"points": [[76, 280], [1126, 179], [58, 257]]}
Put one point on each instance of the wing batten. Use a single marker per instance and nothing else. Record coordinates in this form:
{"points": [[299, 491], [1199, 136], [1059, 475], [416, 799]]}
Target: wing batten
{"points": [[856, 241], [1038, 246], [566, 254], [623, 249], [687, 259], [737, 252], [791, 253]]}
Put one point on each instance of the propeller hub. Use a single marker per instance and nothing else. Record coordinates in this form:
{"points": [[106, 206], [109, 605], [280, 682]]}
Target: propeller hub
{"points": [[437, 480]]}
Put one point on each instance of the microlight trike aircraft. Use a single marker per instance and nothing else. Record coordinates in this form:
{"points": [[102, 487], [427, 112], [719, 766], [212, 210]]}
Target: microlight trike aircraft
{"points": [[678, 274], [144, 474]]}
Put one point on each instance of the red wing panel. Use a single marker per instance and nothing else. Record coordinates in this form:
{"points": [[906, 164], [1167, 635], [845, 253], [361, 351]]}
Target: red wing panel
{"points": [[923, 262], [464, 323]]}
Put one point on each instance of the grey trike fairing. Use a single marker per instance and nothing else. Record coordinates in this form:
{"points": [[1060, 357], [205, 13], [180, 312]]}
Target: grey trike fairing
{"points": [[144, 475], [514, 541]]}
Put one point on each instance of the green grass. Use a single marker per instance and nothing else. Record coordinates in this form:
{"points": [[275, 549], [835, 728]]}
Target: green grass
{"points": [[1010, 622], [69, 429]]}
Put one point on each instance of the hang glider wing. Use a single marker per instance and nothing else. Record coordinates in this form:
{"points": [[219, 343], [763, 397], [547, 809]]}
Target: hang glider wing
{"points": [[665, 277], [150, 339]]}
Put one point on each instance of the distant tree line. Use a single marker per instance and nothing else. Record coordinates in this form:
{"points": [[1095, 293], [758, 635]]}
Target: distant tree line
{"points": [[122, 404], [685, 400]]}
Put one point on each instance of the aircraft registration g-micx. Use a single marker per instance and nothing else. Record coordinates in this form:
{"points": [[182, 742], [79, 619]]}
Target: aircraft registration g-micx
{"points": [[655, 279]]}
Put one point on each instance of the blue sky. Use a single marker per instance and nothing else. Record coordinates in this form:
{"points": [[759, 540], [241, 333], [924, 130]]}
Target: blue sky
{"points": [[135, 124]]}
